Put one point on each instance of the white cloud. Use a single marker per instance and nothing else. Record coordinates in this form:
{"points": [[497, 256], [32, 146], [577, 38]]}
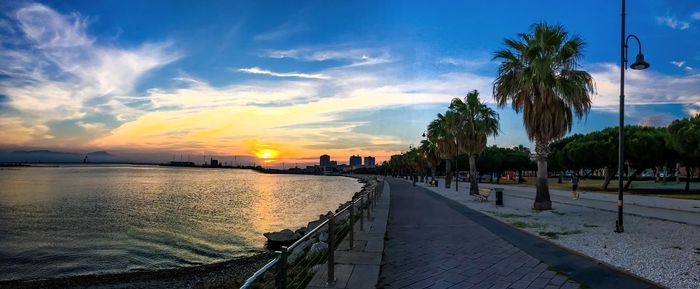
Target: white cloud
{"points": [[643, 87], [92, 126], [199, 115], [22, 132], [55, 71], [50, 29], [672, 22], [469, 63], [695, 16], [283, 31], [258, 70], [678, 63], [344, 52]]}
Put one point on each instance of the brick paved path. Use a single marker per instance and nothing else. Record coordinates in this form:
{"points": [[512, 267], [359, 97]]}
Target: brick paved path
{"points": [[430, 245]]}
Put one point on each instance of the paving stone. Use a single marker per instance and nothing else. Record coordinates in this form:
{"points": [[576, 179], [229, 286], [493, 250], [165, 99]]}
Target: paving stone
{"points": [[548, 274], [430, 245], [558, 280], [441, 285]]}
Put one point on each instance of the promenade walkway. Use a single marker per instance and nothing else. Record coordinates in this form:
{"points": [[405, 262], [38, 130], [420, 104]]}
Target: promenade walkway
{"points": [[358, 267], [434, 242]]}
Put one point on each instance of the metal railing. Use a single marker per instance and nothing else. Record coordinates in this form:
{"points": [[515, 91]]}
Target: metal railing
{"points": [[295, 265]]}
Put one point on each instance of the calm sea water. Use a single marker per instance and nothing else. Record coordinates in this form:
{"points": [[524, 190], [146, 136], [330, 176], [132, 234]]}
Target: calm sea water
{"points": [[75, 220]]}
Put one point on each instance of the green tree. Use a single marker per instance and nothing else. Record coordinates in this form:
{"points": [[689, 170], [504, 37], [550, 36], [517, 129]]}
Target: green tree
{"points": [[558, 157], [430, 154], [477, 122], [518, 159], [645, 147], [539, 76], [684, 137], [441, 132]]}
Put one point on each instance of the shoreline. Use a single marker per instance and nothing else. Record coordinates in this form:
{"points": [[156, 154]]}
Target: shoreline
{"points": [[229, 273]]}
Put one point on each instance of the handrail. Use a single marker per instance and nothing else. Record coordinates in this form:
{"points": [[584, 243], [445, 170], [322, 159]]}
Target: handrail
{"points": [[249, 282], [348, 206], [259, 273], [307, 235]]}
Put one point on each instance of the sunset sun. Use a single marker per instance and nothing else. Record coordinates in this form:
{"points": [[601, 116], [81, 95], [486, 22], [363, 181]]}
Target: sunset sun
{"points": [[266, 154]]}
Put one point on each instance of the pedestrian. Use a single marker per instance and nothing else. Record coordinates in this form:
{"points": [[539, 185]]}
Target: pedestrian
{"points": [[574, 185]]}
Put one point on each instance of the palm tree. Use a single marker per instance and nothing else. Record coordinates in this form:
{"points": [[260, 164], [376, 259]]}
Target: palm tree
{"points": [[441, 132], [430, 155], [477, 123], [415, 161], [539, 76]]}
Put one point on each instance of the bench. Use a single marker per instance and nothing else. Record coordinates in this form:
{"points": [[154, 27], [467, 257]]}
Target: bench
{"points": [[483, 195]]}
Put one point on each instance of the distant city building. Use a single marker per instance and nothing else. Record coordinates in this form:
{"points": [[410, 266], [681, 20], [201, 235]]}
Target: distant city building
{"points": [[333, 163], [325, 160], [369, 162], [213, 162], [355, 161]]}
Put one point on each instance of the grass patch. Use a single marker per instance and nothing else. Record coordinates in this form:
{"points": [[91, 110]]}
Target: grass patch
{"points": [[584, 286], [555, 235], [524, 225], [506, 215], [590, 226], [697, 251]]}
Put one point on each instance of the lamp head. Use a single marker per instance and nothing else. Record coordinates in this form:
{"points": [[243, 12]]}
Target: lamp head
{"points": [[639, 63]]}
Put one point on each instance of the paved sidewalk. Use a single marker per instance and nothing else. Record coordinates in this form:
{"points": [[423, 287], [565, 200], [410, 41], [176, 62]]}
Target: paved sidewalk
{"points": [[434, 242], [358, 267], [682, 211]]}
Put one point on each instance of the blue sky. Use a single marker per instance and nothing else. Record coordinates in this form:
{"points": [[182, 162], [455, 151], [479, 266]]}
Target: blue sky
{"points": [[303, 77]]}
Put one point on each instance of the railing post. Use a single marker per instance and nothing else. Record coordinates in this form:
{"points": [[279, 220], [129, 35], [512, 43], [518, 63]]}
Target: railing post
{"points": [[369, 203], [281, 278], [331, 252], [362, 213], [352, 223]]}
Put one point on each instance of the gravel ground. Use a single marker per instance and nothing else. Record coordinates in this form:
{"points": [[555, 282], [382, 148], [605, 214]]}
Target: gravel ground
{"points": [[665, 252], [228, 274]]}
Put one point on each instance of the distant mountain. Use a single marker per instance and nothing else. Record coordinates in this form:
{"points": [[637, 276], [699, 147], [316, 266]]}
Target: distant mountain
{"points": [[100, 154], [42, 152]]}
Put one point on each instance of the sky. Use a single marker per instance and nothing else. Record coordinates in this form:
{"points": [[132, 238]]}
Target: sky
{"points": [[286, 81]]}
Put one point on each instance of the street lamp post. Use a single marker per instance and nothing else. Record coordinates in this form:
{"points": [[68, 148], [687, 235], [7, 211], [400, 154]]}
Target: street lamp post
{"points": [[639, 64]]}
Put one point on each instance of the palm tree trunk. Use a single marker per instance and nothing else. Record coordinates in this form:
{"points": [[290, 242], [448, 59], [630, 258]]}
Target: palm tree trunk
{"points": [[631, 178], [665, 174], [657, 173], [473, 185], [608, 176], [520, 176], [448, 173], [688, 177], [542, 199]]}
